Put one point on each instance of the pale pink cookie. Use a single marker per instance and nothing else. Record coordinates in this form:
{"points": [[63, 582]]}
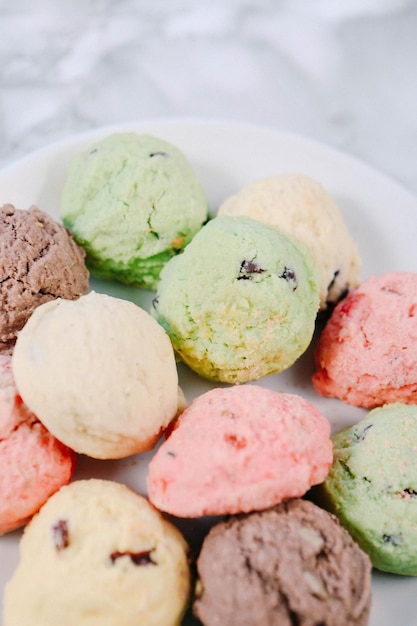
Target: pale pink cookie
{"points": [[33, 464], [367, 353], [240, 449]]}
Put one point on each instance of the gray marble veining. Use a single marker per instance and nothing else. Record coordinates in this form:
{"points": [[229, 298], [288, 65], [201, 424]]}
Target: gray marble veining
{"points": [[340, 72]]}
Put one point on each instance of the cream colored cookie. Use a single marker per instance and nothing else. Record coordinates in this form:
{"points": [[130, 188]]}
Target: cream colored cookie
{"points": [[302, 207], [99, 373], [98, 554]]}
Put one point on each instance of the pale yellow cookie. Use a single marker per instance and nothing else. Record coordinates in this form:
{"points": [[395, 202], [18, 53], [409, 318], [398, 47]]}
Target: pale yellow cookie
{"points": [[98, 554]]}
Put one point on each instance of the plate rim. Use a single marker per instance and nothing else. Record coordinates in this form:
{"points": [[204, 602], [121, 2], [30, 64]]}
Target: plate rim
{"points": [[134, 125], [352, 161]]}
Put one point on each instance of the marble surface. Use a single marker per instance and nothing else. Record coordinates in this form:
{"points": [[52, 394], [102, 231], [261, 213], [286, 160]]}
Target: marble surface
{"points": [[339, 72], [342, 72]]}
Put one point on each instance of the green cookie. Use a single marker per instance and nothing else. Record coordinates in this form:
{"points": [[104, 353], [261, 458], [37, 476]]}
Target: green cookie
{"points": [[240, 302], [372, 486], [132, 201]]}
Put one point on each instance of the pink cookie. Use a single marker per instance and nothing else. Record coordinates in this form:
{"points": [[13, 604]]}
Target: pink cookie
{"points": [[367, 353], [240, 449], [33, 464]]}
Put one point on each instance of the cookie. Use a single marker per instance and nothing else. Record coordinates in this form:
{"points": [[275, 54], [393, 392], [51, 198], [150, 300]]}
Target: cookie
{"points": [[292, 564], [239, 449], [132, 201], [33, 464], [367, 352], [39, 261], [372, 486], [100, 374], [240, 302], [301, 206], [98, 553]]}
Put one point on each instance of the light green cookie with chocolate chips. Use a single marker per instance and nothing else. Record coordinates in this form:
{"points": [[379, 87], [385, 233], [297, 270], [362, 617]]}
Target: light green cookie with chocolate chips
{"points": [[372, 486], [132, 201], [241, 301]]}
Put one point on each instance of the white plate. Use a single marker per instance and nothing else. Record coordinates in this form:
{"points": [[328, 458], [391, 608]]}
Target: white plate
{"points": [[380, 214]]}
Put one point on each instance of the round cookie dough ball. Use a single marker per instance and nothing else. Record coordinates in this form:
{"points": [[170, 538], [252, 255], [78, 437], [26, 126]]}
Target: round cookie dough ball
{"points": [[39, 261], [239, 449], [240, 302], [293, 564], [372, 486], [367, 352], [132, 201], [33, 464], [99, 372], [98, 554], [301, 206]]}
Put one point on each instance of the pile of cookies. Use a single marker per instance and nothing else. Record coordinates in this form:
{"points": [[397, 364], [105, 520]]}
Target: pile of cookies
{"points": [[298, 517]]}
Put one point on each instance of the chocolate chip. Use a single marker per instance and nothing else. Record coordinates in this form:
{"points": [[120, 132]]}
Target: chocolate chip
{"points": [[247, 268], [137, 558], [332, 282], [289, 275], [407, 493], [395, 540], [60, 534], [345, 467], [360, 436], [341, 297]]}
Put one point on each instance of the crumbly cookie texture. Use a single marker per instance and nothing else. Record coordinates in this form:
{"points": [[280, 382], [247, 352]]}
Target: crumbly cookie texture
{"points": [[132, 201], [240, 302], [367, 352], [99, 372], [372, 486], [292, 564], [39, 261], [98, 553], [239, 449], [301, 206], [33, 464]]}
